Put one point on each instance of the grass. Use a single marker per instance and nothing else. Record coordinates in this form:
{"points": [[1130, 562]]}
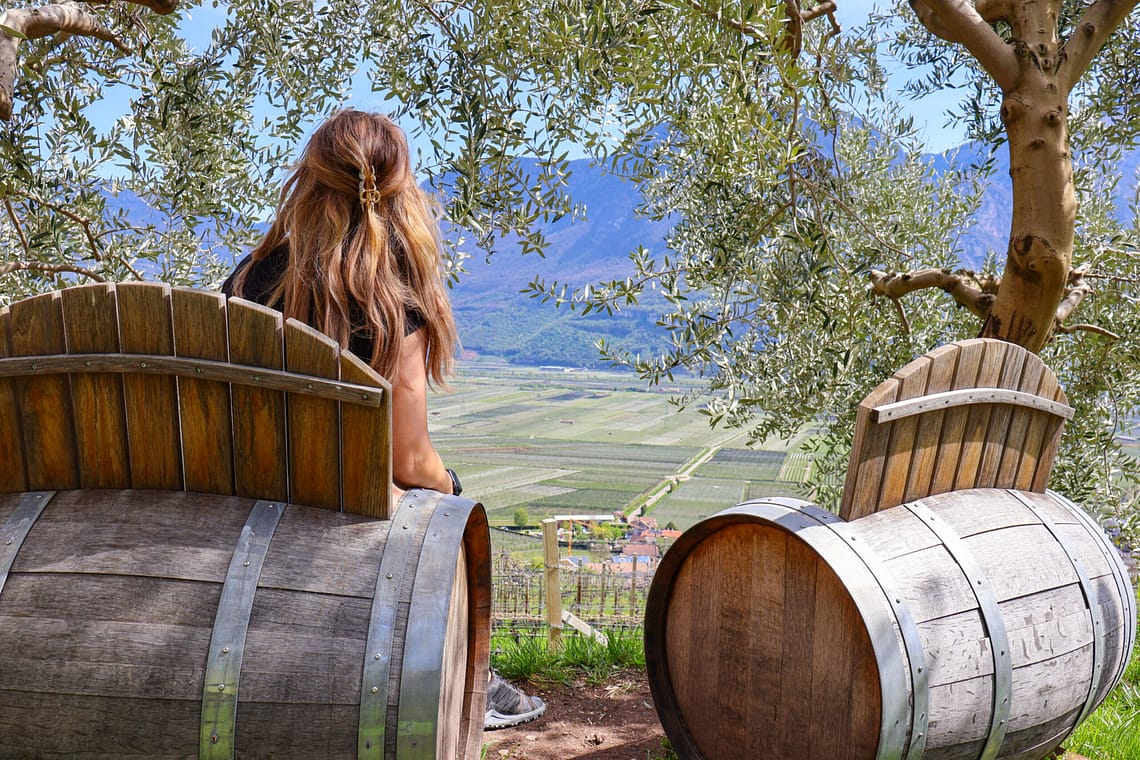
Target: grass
{"points": [[529, 657]]}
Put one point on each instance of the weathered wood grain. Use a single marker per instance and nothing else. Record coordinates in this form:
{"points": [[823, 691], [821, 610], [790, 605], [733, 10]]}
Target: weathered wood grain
{"points": [[868, 455], [204, 405], [91, 324], [915, 436], [112, 602], [260, 449], [13, 475], [137, 533], [741, 616], [969, 359], [325, 556], [800, 680], [451, 734], [1001, 416], [314, 430], [913, 381], [978, 417], [46, 417], [366, 441], [928, 437], [151, 402]]}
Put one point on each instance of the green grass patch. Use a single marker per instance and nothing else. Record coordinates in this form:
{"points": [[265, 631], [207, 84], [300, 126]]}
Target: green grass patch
{"points": [[521, 656], [1112, 732]]}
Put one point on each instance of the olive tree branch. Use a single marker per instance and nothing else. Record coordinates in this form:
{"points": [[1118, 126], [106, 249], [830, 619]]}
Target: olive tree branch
{"points": [[19, 24], [19, 227], [1096, 25], [1076, 292], [35, 266], [968, 289], [84, 224], [958, 21]]}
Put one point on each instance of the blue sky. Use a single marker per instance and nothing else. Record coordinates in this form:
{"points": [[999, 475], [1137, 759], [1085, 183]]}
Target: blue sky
{"points": [[929, 113]]}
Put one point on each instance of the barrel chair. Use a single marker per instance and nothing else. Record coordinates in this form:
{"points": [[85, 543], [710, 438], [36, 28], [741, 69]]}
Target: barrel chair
{"points": [[198, 549], [954, 608]]}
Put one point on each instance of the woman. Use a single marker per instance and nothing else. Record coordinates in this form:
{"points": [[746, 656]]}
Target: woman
{"points": [[354, 252]]}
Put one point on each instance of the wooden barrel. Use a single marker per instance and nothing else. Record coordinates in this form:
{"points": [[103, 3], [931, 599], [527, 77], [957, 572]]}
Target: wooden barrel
{"points": [[159, 623], [973, 624]]}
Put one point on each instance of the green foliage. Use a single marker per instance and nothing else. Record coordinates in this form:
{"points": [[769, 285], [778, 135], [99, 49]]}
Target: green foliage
{"points": [[521, 518], [785, 179]]}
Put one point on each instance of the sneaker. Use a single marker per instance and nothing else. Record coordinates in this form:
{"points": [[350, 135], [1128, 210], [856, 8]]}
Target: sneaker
{"points": [[508, 706]]}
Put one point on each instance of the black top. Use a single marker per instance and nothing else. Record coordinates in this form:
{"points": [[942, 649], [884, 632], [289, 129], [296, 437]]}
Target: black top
{"points": [[263, 277]]}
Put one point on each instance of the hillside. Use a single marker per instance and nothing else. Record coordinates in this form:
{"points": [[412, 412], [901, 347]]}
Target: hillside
{"points": [[497, 321]]}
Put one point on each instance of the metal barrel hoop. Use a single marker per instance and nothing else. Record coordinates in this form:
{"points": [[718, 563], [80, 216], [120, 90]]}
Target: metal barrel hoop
{"points": [[17, 527], [1120, 578], [427, 623], [412, 510], [231, 624], [991, 618]]}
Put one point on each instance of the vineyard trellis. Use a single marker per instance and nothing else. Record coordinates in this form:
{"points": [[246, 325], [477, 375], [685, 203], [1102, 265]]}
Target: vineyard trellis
{"points": [[612, 600]]}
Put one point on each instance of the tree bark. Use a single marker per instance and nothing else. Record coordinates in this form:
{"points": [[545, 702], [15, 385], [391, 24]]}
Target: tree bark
{"points": [[1035, 114]]}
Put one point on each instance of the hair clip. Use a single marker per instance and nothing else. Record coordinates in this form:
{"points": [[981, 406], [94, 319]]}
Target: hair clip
{"points": [[369, 195]]}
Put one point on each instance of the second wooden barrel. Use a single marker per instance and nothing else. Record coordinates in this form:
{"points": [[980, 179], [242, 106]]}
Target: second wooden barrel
{"points": [[170, 624], [974, 624]]}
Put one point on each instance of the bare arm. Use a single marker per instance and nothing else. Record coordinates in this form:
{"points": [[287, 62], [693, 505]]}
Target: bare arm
{"points": [[415, 462]]}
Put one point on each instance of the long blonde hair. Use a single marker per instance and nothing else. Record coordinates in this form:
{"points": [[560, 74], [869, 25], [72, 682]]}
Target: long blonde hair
{"points": [[363, 242]]}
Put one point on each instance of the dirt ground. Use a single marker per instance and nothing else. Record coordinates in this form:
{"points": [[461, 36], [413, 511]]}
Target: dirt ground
{"points": [[610, 721]]}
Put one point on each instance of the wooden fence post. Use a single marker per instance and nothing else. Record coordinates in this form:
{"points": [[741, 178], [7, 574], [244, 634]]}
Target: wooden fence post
{"points": [[633, 587], [553, 588]]}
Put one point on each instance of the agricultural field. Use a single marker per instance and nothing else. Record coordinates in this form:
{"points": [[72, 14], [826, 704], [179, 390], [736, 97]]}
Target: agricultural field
{"points": [[555, 442]]}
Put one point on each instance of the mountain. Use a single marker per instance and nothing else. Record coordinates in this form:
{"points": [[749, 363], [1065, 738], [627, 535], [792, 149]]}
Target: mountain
{"points": [[496, 320]]}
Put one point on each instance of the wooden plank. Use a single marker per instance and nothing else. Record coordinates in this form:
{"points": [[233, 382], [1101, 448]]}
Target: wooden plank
{"points": [[978, 417], [266, 729], [928, 436], [970, 353], [868, 455], [204, 405], [912, 381], [153, 432], [13, 475], [45, 402], [314, 429], [161, 534], [1040, 432], [91, 325], [260, 450], [30, 726], [1053, 430], [197, 369], [366, 442], [1031, 376], [1000, 418], [325, 555], [450, 736], [304, 648], [795, 671], [690, 624]]}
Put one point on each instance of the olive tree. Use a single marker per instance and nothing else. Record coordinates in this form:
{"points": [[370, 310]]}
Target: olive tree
{"points": [[813, 249]]}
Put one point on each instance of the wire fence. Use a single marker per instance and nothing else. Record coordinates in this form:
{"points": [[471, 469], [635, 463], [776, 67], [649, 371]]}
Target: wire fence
{"points": [[614, 600]]}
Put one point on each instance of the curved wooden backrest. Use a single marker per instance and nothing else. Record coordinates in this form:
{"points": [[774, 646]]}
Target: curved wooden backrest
{"points": [[979, 413], [140, 385]]}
